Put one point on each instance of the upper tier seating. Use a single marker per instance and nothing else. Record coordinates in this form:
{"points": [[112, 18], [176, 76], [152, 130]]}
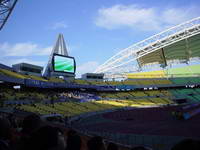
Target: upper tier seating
{"points": [[181, 76], [151, 74], [187, 71], [97, 82], [12, 74], [84, 82], [147, 82], [54, 79], [21, 76]]}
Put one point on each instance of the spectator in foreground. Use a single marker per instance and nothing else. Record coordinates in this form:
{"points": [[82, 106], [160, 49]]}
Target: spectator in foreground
{"points": [[139, 148], [5, 134], [112, 146], [46, 138], [71, 133], [30, 124], [96, 143], [187, 144], [73, 142]]}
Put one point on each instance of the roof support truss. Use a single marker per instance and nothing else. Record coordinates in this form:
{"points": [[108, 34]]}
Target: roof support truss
{"points": [[6, 7]]}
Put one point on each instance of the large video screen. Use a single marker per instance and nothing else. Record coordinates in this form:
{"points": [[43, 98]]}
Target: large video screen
{"points": [[64, 64]]}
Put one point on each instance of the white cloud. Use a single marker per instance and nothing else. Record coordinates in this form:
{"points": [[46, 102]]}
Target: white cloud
{"points": [[45, 50], [146, 19], [179, 15], [87, 67], [59, 25], [23, 49]]}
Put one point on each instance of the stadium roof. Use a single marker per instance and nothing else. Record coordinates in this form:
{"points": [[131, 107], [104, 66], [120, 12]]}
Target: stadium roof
{"points": [[177, 44]]}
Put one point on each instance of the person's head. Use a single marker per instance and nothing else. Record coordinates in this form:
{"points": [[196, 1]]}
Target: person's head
{"points": [[112, 146], [71, 133], [61, 137], [187, 144], [96, 143], [5, 129], [31, 123], [46, 138], [139, 148], [74, 142]]}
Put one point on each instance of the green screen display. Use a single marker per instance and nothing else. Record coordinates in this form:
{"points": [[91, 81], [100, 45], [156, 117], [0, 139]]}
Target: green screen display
{"points": [[64, 64]]}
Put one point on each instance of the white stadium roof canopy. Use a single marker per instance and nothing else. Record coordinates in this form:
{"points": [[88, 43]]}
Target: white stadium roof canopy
{"points": [[179, 43]]}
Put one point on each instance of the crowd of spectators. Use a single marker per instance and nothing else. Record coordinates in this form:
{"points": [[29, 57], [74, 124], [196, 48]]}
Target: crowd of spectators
{"points": [[31, 133], [34, 134]]}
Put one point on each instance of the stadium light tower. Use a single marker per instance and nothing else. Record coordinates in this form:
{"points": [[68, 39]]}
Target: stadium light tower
{"points": [[6, 7], [59, 48]]}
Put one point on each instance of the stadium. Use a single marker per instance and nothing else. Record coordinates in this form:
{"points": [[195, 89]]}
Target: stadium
{"points": [[147, 96]]}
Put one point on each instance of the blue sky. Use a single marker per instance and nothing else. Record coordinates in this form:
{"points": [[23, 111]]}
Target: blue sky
{"points": [[94, 30]]}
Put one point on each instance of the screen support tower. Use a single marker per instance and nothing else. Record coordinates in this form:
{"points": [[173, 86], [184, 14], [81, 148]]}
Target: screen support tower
{"points": [[59, 48]]}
